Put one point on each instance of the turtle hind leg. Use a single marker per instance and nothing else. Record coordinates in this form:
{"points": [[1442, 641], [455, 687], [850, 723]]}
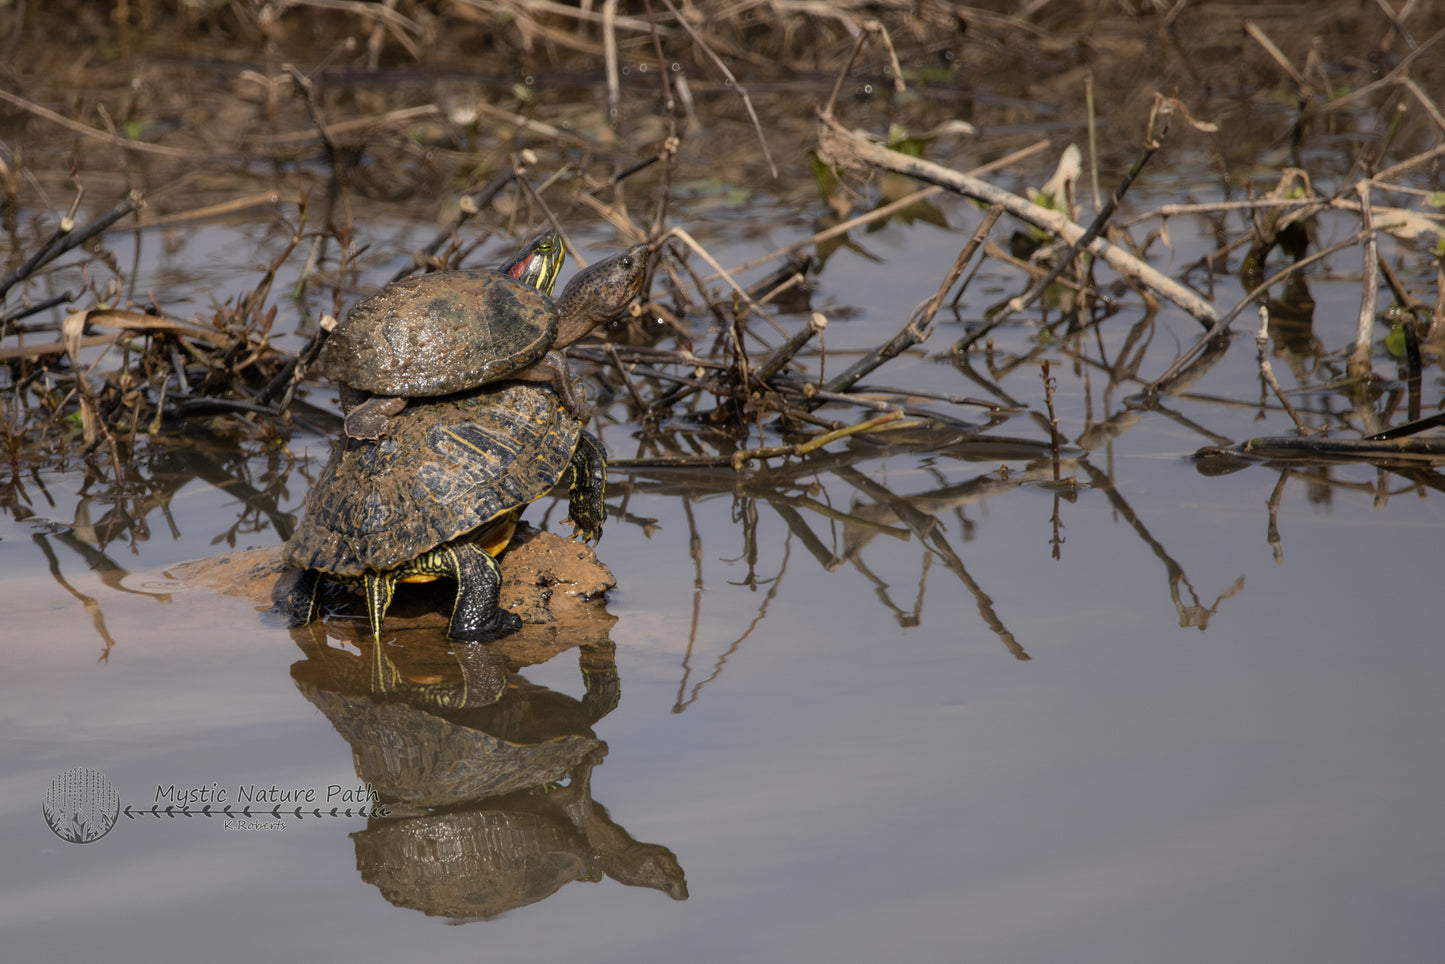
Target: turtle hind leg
{"points": [[300, 605], [367, 420], [586, 486], [379, 587], [476, 614]]}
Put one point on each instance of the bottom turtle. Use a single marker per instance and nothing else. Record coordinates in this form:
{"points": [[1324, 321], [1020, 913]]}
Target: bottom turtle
{"points": [[438, 497]]}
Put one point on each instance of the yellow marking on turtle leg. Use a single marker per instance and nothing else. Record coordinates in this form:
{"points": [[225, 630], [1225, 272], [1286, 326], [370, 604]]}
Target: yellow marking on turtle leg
{"points": [[379, 587], [384, 673]]}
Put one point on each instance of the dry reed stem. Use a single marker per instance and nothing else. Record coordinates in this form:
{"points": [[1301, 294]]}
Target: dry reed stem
{"points": [[1359, 363], [817, 323], [369, 122], [1222, 325], [1266, 370], [732, 82], [1425, 101], [44, 349], [846, 148], [95, 133], [1251, 28], [396, 24], [609, 59], [218, 210], [581, 14], [1389, 80], [1067, 258], [917, 330], [881, 213], [67, 238], [739, 291]]}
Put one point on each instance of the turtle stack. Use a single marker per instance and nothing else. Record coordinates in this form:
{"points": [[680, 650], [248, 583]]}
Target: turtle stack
{"points": [[460, 411]]}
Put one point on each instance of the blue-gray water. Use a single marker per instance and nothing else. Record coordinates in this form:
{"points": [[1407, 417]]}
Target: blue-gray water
{"points": [[1223, 745]]}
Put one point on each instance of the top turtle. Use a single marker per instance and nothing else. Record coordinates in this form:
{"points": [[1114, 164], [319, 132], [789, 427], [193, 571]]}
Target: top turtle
{"points": [[451, 331]]}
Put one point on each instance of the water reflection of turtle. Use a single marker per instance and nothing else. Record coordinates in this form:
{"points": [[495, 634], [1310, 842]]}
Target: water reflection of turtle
{"points": [[440, 732], [476, 864], [482, 822], [447, 332], [439, 497]]}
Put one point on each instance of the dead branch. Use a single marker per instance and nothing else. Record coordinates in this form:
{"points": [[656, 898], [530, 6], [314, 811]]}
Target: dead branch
{"points": [[846, 148]]}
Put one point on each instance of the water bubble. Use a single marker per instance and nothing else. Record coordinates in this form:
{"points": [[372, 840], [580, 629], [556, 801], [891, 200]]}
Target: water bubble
{"points": [[530, 80], [676, 67], [626, 71]]}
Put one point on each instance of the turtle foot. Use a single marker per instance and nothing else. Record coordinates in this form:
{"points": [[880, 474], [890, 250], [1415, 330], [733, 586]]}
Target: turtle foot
{"points": [[590, 535], [501, 623], [299, 607], [368, 419], [364, 428]]}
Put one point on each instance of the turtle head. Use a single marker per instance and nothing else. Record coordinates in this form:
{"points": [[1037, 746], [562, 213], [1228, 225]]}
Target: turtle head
{"points": [[600, 293], [539, 262]]}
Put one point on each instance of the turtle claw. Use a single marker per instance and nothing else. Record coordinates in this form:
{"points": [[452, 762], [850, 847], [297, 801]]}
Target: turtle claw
{"points": [[590, 535]]}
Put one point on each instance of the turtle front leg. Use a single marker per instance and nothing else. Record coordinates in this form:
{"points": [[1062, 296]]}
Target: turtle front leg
{"points": [[586, 487], [552, 369], [476, 614], [367, 419], [300, 605]]}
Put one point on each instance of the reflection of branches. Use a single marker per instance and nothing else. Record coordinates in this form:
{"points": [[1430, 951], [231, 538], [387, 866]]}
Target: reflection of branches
{"points": [[682, 703], [930, 533], [92, 607], [1192, 614], [1276, 497], [120, 510], [906, 619], [917, 513], [826, 557], [1220, 461], [225, 477]]}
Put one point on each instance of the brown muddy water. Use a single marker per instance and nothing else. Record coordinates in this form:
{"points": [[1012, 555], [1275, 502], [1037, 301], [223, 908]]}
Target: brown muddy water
{"points": [[903, 702]]}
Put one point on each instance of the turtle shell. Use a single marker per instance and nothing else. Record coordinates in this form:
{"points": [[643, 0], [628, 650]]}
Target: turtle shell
{"points": [[440, 333], [445, 469]]}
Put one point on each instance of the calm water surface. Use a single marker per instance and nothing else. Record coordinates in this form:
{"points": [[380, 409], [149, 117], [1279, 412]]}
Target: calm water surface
{"points": [[1221, 745]]}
